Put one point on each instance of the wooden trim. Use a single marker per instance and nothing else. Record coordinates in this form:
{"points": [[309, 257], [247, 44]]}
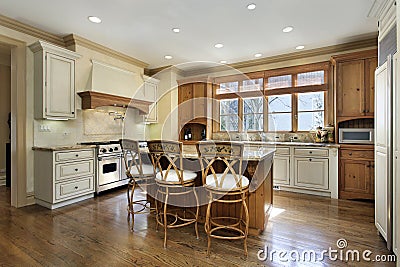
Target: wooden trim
{"points": [[92, 100], [201, 79], [74, 40], [324, 65], [333, 49], [30, 30], [355, 56], [301, 89]]}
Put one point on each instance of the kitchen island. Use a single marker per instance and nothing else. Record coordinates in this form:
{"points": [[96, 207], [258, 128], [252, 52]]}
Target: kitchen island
{"points": [[258, 168]]}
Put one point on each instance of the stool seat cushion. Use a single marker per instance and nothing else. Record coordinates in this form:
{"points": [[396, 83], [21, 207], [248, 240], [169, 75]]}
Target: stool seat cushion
{"points": [[173, 178], [229, 183], [147, 170]]}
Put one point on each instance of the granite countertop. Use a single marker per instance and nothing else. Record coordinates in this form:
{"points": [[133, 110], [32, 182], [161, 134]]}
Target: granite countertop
{"points": [[332, 145], [60, 148]]}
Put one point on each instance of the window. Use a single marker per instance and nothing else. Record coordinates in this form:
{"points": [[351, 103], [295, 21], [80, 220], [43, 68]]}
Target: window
{"points": [[280, 113], [311, 110], [229, 120], [253, 114], [295, 99]]}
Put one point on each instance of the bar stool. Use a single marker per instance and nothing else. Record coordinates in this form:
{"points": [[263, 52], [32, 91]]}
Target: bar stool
{"points": [[173, 181], [139, 174], [225, 184]]}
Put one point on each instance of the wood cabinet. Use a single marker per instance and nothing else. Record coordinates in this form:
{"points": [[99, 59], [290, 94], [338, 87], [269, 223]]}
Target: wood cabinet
{"points": [[356, 172], [354, 84], [63, 177], [193, 107], [54, 81]]}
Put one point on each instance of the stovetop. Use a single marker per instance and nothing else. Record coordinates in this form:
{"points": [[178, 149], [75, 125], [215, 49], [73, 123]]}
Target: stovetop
{"points": [[99, 143]]}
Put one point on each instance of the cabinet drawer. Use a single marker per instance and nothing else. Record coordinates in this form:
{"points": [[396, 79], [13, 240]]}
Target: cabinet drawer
{"points": [[74, 188], [311, 152], [356, 154], [282, 150], [69, 170], [74, 155]]}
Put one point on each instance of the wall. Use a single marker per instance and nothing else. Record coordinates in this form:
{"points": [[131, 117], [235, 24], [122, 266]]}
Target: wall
{"points": [[5, 104]]}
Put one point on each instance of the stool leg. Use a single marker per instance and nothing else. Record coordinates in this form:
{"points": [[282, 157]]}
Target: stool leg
{"points": [[197, 213], [165, 218], [246, 212], [130, 204], [156, 208], [207, 225]]}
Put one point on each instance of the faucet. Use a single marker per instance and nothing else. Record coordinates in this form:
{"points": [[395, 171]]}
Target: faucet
{"points": [[292, 138]]}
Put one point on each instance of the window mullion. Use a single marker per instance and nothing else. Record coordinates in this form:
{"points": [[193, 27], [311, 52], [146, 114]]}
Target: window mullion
{"points": [[295, 112]]}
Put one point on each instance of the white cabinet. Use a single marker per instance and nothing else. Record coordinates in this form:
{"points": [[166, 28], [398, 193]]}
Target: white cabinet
{"points": [[63, 177], [381, 105], [54, 81], [381, 193], [311, 173], [396, 154], [281, 170], [151, 94]]}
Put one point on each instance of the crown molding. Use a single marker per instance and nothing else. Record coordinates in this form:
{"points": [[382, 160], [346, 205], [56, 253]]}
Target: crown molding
{"points": [[30, 30], [360, 44], [74, 40], [151, 72], [379, 7]]}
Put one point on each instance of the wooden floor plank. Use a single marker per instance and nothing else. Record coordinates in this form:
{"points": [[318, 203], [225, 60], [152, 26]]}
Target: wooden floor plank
{"points": [[96, 232]]}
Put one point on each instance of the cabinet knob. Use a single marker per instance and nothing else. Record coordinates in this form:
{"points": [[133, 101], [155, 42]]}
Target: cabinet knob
{"points": [[76, 170], [310, 152], [310, 159], [76, 187], [358, 89], [350, 154], [76, 155]]}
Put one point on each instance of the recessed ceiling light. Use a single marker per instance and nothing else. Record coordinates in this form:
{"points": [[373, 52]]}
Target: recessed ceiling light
{"points": [[176, 30], [94, 19], [287, 29], [299, 47], [223, 62], [251, 6], [258, 55], [219, 45], [168, 57]]}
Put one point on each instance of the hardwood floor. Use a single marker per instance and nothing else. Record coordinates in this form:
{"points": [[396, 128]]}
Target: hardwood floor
{"points": [[95, 232]]}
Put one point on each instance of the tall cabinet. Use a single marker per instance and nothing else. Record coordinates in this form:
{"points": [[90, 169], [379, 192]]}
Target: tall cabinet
{"points": [[396, 154]]}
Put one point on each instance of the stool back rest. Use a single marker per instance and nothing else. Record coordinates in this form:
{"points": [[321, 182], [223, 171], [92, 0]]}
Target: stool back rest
{"points": [[131, 156], [229, 153], [171, 152]]}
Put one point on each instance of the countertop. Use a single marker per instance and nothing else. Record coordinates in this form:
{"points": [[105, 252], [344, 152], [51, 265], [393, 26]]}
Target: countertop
{"points": [[291, 144], [60, 148]]}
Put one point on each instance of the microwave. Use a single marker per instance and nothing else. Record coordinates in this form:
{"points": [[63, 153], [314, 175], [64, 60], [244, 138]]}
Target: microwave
{"points": [[356, 135]]}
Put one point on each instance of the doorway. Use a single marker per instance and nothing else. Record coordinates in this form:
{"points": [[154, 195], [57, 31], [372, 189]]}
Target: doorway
{"points": [[5, 123]]}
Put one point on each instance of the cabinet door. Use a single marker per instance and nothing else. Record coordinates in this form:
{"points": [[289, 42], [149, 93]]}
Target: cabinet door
{"points": [[311, 173], [59, 87], [396, 154], [350, 88], [281, 170], [381, 109], [185, 109], [355, 178], [370, 67], [150, 93], [381, 192], [199, 100]]}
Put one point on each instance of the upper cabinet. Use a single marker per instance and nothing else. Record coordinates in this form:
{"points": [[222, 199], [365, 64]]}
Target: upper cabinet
{"points": [[354, 84], [151, 94], [54, 81]]}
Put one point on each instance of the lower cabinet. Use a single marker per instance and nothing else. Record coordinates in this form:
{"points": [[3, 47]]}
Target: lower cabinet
{"points": [[281, 170], [311, 173], [63, 177], [306, 169], [356, 173]]}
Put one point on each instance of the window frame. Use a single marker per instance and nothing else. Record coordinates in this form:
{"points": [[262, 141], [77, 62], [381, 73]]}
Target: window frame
{"points": [[294, 90]]}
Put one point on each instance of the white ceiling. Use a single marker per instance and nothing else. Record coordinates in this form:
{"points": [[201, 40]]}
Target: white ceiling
{"points": [[142, 29]]}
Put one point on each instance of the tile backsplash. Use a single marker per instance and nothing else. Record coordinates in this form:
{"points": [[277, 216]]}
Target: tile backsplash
{"points": [[269, 137]]}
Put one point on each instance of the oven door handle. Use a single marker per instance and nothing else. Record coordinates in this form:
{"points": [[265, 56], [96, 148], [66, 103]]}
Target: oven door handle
{"points": [[109, 157]]}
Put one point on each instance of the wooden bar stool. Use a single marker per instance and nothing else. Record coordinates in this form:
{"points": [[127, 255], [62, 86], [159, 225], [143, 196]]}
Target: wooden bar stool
{"points": [[173, 181], [139, 174], [222, 178]]}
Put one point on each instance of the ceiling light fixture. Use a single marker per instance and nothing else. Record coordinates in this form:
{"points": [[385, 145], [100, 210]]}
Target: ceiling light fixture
{"points": [[223, 62], [287, 29], [168, 57], [94, 19], [299, 47], [176, 30], [258, 55], [218, 45], [251, 6]]}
